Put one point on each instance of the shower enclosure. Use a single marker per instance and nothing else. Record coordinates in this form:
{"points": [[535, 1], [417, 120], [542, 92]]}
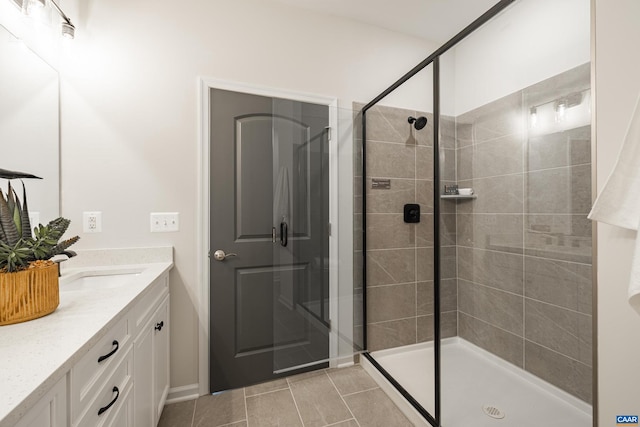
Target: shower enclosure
{"points": [[472, 241]]}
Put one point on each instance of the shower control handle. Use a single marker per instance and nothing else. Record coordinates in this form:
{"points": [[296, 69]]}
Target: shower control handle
{"points": [[219, 255]]}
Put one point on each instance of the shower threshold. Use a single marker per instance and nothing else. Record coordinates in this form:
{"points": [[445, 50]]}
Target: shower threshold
{"points": [[478, 388]]}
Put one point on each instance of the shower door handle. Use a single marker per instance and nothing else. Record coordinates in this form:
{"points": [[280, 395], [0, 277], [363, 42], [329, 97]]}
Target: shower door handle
{"points": [[219, 255], [284, 233]]}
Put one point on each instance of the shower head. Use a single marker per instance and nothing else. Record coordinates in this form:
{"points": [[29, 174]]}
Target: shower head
{"points": [[418, 123]]}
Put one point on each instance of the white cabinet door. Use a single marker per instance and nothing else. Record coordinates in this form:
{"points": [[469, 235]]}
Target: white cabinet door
{"points": [[50, 411], [143, 377], [151, 366], [161, 357]]}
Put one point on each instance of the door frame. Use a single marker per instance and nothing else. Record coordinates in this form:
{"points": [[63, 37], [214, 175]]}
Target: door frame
{"points": [[204, 215]]}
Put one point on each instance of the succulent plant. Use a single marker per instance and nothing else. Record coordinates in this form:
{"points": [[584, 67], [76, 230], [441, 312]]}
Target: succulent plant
{"points": [[18, 248]]}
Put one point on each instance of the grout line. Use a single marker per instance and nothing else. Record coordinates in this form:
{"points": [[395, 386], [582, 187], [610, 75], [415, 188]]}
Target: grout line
{"points": [[557, 306], [360, 391], [340, 422], [296, 404], [558, 353], [265, 392], [193, 415], [343, 401], [246, 406], [495, 326]]}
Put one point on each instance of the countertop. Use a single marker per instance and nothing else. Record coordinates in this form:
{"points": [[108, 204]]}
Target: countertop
{"points": [[35, 355]]}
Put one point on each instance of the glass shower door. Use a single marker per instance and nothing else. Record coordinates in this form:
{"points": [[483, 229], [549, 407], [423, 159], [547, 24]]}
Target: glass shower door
{"points": [[301, 237]]}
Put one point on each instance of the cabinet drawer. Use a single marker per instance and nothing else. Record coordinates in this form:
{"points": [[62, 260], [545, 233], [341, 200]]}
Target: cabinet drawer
{"points": [[110, 396], [89, 373], [147, 305]]}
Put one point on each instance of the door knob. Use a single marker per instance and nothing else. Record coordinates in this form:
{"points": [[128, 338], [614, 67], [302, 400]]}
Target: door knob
{"points": [[219, 255]]}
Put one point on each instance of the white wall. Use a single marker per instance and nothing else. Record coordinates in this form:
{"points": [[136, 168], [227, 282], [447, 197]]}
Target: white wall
{"points": [[528, 42], [130, 117], [617, 80]]}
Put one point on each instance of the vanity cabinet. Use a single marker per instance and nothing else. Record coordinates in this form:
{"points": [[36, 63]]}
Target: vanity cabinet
{"points": [[120, 381], [51, 409], [151, 355]]}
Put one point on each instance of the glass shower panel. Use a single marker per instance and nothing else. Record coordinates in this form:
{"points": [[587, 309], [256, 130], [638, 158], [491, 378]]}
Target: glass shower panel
{"points": [[398, 184], [301, 248], [516, 253]]}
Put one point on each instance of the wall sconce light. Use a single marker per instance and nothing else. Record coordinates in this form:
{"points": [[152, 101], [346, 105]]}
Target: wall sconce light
{"points": [[533, 116], [68, 29], [34, 7], [561, 109]]}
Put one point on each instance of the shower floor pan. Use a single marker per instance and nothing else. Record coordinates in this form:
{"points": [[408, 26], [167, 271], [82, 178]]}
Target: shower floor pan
{"points": [[478, 388]]}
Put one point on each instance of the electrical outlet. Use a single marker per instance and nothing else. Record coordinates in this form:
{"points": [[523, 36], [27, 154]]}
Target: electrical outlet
{"points": [[162, 222], [92, 222]]}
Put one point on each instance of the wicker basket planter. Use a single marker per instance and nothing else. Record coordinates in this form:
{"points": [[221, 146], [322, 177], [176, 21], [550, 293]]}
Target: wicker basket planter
{"points": [[28, 294]]}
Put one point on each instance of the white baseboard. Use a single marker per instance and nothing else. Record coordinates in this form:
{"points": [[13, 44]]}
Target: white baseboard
{"points": [[183, 393]]}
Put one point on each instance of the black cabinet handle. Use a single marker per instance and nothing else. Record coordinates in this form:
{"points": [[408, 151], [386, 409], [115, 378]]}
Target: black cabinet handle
{"points": [[159, 326], [105, 408], [284, 234], [106, 356]]}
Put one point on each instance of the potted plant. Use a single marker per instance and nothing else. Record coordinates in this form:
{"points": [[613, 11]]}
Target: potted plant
{"points": [[28, 277]]}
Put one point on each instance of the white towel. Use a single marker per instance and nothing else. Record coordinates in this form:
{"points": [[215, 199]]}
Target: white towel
{"points": [[619, 202]]}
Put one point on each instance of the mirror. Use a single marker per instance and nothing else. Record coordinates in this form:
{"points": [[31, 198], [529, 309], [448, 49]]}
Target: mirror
{"points": [[29, 125]]}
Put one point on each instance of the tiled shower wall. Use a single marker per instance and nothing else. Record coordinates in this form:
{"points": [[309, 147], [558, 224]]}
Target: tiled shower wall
{"points": [[516, 261], [400, 255], [524, 245]]}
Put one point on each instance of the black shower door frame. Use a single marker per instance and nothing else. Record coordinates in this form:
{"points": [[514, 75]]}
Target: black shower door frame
{"points": [[434, 58]]}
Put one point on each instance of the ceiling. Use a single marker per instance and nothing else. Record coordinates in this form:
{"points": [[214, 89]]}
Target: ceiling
{"points": [[434, 20]]}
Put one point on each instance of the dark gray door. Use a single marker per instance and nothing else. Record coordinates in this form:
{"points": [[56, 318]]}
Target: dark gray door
{"points": [[269, 207]]}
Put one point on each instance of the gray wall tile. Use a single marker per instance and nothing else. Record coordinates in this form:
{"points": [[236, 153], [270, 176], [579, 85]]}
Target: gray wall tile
{"points": [[561, 283], [571, 147], [424, 195], [496, 232], [424, 136], [562, 190], [503, 194], [386, 160], [385, 267], [568, 374], [424, 231], [561, 237], [391, 302], [565, 331], [402, 191], [499, 342], [389, 124], [496, 269], [499, 308], [389, 231], [501, 156], [391, 334], [424, 163]]}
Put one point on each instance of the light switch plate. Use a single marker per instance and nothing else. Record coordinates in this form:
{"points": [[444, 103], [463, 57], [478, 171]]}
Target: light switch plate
{"points": [[163, 222]]}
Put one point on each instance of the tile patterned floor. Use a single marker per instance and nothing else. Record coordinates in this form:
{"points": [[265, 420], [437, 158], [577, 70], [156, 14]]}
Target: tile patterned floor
{"points": [[346, 397]]}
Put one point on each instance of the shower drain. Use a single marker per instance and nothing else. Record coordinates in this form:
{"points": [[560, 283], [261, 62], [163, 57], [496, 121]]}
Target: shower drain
{"points": [[493, 412]]}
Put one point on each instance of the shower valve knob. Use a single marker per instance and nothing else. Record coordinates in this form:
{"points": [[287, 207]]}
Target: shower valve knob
{"points": [[219, 255]]}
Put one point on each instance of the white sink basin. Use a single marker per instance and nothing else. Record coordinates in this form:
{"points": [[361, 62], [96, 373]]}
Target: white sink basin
{"points": [[103, 281]]}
